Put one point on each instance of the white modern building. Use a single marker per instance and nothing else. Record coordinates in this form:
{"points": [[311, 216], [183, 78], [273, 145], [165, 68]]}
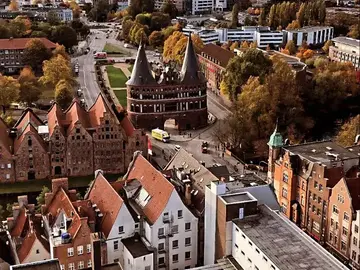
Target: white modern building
{"points": [[118, 223], [345, 50], [202, 6], [266, 38], [311, 35], [165, 222]]}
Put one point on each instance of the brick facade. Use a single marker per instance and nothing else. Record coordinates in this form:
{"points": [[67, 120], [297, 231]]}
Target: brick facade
{"points": [[77, 143]]}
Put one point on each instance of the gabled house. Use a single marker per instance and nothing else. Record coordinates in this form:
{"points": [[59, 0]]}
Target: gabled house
{"points": [[166, 223], [116, 222], [7, 172]]}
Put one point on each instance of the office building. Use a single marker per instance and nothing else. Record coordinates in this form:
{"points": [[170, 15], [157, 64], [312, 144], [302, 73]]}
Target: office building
{"points": [[345, 50], [312, 35]]}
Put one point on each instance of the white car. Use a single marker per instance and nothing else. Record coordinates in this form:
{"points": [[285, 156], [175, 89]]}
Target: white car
{"points": [[177, 147]]}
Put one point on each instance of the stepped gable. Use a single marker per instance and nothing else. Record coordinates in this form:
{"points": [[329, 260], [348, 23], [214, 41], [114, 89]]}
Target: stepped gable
{"points": [[98, 110], [55, 118], [141, 74], [190, 71], [28, 116], [75, 113], [29, 129]]}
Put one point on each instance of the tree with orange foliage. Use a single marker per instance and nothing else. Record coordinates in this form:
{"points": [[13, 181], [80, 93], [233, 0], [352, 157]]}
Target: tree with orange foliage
{"points": [[13, 6], [30, 89]]}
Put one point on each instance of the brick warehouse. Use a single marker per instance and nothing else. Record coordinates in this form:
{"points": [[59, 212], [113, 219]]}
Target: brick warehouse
{"points": [[179, 96], [74, 142]]}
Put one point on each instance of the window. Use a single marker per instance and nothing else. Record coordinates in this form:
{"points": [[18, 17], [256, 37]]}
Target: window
{"points": [[302, 200], [175, 229], [331, 222], [161, 260], [249, 260], [316, 226], [285, 177], [37, 251], [303, 185], [265, 259], [318, 212], [355, 241], [175, 258], [335, 209], [341, 198], [62, 267], [320, 187], [187, 255], [116, 245], [315, 184], [250, 243], [180, 214], [80, 250], [81, 265], [161, 246], [161, 231], [353, 255], [344, 231], [243, 235], [175, 244], [346, 216], [187, 241], [257, 251], [187, 226], [70, 252], [343, 245], [272, 267], [121, 229], [284, 192], [71, 266], [89, 263], [88, 248], [330, 237], [356, 228]]}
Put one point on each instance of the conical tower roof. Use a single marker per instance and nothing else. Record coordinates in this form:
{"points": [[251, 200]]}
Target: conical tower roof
{"points": [[190, 72], [141, 73], [276, 140]]}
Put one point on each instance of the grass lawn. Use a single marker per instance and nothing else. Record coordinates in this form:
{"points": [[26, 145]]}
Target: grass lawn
{"points": [[111, 48], [121, 96], [117, 78], [36, 185]]}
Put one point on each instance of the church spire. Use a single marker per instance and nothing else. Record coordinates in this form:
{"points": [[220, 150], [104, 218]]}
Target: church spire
{"points": [[190, 72], [141, 73], [276, 140]]}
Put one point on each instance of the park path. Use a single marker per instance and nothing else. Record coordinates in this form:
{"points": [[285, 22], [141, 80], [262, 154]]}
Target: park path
{"points": [[124, 68]]}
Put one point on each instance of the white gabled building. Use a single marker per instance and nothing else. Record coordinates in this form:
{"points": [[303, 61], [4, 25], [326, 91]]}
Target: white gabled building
{"points": [[166, 223], [117, 222]]}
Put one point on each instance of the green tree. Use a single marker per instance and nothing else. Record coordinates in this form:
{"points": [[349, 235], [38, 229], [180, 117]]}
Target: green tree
{"points": [[348, 132], [290, 46], [156, 39], [52, 18], [300, 15], [64, 93], [239, 69], [64, 35], [38, 34], [141, 37], [140, 6], [99, 11], [169, 7], [30, 89], [40, 199], [4, 30], [234, 15], [35, 53], [126, 28], [159, 21], [9, 91]]}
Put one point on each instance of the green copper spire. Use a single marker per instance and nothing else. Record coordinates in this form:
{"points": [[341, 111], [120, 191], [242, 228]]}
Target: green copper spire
{"points": [[276, 139]]}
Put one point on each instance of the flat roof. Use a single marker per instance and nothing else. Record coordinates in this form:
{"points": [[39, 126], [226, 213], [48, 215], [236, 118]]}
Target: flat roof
{"points": [[51, 264], [135, 246], [237, 197], [324, 152], [310, 29], [222, 264], [348, 41], [285, 244]]}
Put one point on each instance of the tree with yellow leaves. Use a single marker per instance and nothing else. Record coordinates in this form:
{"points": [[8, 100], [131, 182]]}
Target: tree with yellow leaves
{"points": [[64, 93], [244, 45], [9, 91], [13, 6], [30, 89], [56, 69], [60, 50], [348, 132]]}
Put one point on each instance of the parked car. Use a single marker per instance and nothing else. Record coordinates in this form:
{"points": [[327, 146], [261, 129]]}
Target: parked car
{"points": [[177, 147]]}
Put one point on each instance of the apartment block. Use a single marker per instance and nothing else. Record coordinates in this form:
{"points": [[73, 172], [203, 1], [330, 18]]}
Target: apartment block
{"points": [[312, 35], [344, 207], [11, 51], [345, 50], [74, 142]]}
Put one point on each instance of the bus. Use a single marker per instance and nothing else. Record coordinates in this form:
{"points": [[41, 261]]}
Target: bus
{"points": [[160, 135], [100, 55]]}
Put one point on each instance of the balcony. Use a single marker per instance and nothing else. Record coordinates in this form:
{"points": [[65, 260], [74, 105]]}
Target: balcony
{"points": [[161, 236]]}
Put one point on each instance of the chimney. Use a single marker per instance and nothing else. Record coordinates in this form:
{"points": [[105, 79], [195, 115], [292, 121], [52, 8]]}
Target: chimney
{"points": [[23, 200], [187, 195], [60, 183], [96, 251], [97, 172]]}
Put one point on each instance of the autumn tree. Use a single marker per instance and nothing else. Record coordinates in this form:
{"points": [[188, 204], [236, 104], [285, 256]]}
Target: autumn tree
{"points": [[321, 11], [30, 89], [169, 7], [139, 6], [140, 37], [56, 69], [156, 39], [159, 21], [326, 46], [262, 17], [9, 91], [35, 53], [354, 31], [63, 93], [234, 45], [252, 63], [290, 46], [40, 199], [126, 28], [99, 11], [234, 15], [64, 35], [300, 15], [348, 132], [13, 6], [293, 25], [60, 50]]}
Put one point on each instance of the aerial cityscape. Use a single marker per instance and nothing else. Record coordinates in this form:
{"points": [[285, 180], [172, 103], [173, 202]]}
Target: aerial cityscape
{"points": [[179, 134]]}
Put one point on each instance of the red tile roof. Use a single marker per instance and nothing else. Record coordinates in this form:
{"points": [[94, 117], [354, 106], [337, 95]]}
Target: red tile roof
{"points": [[55, 118], [28, 116], [107, 200], [5, 140], [26, 246], [219, 54], [153, 181], [334, 175], [20, 43], [76, 113], [126, 123], [98, 109], [28, 130], [21, 224], [353, 185]]}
